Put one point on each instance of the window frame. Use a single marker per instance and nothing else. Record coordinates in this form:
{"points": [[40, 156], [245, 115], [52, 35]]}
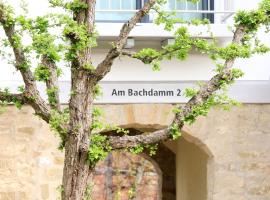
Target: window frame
{"points": [[146, 19]]}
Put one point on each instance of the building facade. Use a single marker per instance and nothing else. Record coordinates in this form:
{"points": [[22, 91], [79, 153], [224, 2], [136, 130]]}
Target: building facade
{"points": [[222, 156]]}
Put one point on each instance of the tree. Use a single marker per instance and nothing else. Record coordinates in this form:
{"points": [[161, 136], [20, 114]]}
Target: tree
{"points": [[78, 126]]}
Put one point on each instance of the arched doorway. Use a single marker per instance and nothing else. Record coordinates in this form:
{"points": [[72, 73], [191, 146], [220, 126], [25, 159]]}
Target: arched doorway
{"points": [[165, 158], [179, 171], [125, 176], [194, 169]]}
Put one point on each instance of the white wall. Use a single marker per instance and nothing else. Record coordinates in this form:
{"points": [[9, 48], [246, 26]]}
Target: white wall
{"points": [[197, 67]]}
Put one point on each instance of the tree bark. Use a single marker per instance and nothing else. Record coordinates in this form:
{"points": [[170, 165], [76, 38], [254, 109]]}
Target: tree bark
{"points": [[77, 172]]}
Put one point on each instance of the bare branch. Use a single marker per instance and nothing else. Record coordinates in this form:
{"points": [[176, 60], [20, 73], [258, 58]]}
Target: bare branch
{"points": [[105, 66], [118, 142], [204, 93]]}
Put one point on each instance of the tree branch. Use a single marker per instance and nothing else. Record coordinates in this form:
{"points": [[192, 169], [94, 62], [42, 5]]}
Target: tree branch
{"points": [[8, 97], [31, 91], [147, 59], [203, 94], [105, 66], [52, 83]]}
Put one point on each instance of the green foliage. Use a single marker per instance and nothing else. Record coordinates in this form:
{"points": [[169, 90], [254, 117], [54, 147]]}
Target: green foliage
{"points": [[265, 6], [52, 94], [150, 56], [132, 192], [43, 44], [3, 105], [147, 55], [152, 149], [228, 78], [190, 92], [8, 12], [80, 38], [89, 67], [260, 48], [24, 22], [57, 121], [42, 73], [56, 3], [97, 125], [23, 66], [118, 129], [237, 73], [41, 25], [169, 19], [97, 91], [137, 150], [176, 110], [97, 112], [21, 88], [175, 131], [17, 41], [182, 45], [60, 190], [200, 110], [59, 72], [17, 103], [98, 149], [9, 99], [206, 47], [88, 192], [77, 39], [197, 22], [193, 1], [213, 100], [234, 50], [76, 6], [219, 68], [155, 65], [250, 19]]}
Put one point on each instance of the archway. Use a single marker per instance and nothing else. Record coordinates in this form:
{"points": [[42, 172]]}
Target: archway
{"points": [[180, 170], [124, 176], [194, 169], [165, 160]]}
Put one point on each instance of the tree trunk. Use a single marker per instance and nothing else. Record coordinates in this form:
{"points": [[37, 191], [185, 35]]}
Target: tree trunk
{"points": [[77, 172]]}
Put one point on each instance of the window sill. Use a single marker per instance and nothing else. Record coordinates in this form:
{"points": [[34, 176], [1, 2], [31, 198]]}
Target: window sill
{"points": [[150, 30]]}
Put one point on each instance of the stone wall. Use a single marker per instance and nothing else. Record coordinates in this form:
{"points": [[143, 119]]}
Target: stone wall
{"points": [[237, 143], [125, 176], [238, 146]]}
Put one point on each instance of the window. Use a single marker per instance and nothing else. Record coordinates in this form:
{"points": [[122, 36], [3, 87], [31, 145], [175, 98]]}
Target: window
{"points": [[123, 10], [192, 9], [116, 10]]}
